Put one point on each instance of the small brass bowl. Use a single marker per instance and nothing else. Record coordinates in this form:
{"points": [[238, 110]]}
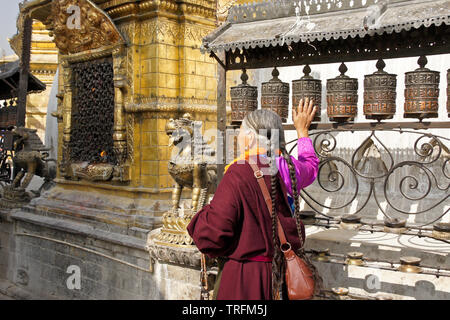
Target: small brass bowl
{"points": [[322, 255], [355, 258], [441, 230], [410, 265]]}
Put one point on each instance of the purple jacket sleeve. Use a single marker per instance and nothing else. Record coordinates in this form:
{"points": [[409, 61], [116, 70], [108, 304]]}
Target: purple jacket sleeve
{"points": [[306, 166]]}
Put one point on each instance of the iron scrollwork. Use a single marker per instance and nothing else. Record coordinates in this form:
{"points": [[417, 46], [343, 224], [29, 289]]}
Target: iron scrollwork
{"points": [[390, 181]]}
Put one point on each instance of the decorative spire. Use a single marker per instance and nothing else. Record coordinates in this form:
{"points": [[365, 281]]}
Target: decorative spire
{"points": [[307, 71], [343, 69], [422, 62], [244, 77], [381, 65]]}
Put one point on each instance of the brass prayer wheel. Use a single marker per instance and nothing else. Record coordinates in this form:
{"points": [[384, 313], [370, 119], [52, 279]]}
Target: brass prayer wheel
{"points": [[275, 96], [244, 99], [380, 93], [422, 92], [342, 97], [307, 87]]}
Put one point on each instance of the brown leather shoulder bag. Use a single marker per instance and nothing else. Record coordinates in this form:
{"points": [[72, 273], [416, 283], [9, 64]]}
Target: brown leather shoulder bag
{"points": [[299, 278]]}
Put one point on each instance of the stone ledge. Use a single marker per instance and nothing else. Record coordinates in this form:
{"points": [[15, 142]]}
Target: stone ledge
{"points": [[79, 229], [13, 292]]}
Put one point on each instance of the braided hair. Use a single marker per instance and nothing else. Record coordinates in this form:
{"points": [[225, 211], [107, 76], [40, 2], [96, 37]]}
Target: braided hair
{"points": [[270, 123]]}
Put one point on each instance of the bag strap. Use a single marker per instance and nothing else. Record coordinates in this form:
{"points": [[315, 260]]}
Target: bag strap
{"points": [[259, 177]]}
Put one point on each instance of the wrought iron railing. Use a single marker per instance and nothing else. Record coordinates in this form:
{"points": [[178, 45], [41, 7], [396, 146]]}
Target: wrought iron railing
{"points": [[421, 182]]}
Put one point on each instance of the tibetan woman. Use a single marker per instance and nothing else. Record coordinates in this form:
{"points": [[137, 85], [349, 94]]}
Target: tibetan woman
{"points": [[237, 224]]}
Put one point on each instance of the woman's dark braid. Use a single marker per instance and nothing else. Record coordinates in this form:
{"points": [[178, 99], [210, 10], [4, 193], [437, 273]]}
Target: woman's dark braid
{"points": [[294, 184], [277, 261], [317, 279]]}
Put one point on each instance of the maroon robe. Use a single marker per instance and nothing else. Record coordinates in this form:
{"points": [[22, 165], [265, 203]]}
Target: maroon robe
{"points": [[237, 225]]}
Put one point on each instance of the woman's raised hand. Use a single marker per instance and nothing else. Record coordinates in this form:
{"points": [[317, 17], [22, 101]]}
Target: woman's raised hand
{"points": [[303, 115]]}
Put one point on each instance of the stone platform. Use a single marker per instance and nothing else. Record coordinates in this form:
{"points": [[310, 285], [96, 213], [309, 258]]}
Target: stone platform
{"points": [[377, 277]]}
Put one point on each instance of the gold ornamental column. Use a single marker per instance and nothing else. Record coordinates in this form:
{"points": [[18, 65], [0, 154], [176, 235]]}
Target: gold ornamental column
{"points": [[66, 120]]}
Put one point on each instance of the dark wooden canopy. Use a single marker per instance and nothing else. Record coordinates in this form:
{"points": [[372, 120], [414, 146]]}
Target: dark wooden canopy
{"points": [[286, 33], [9, 81]]}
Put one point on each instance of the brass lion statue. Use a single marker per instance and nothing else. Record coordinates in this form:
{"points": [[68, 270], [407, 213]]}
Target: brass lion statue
{"points": [[193, 163], [30, 159]]}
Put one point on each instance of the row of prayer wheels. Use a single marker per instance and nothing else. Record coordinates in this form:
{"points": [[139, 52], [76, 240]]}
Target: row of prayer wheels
{"points": [[421, 94]]}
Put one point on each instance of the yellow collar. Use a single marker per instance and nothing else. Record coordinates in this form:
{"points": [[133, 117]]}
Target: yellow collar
{"points": [[252, 152]]}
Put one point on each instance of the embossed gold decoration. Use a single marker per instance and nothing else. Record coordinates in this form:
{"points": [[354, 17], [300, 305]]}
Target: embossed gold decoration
{"points": [[95, 30]]}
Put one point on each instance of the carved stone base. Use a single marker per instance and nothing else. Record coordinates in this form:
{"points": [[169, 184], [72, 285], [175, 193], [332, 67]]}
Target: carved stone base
{"points": [[172, 253], [14, 198]]}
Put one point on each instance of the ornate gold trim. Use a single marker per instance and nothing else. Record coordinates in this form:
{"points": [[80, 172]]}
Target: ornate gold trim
{"points": [[94, 30], [162, 105]]}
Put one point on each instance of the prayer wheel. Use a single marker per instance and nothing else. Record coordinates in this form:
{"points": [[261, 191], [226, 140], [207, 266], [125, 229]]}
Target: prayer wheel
{"points": [[342, 97], [422, 92], [275, 96], [307, 87], [244, 99], [380, 93]]}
